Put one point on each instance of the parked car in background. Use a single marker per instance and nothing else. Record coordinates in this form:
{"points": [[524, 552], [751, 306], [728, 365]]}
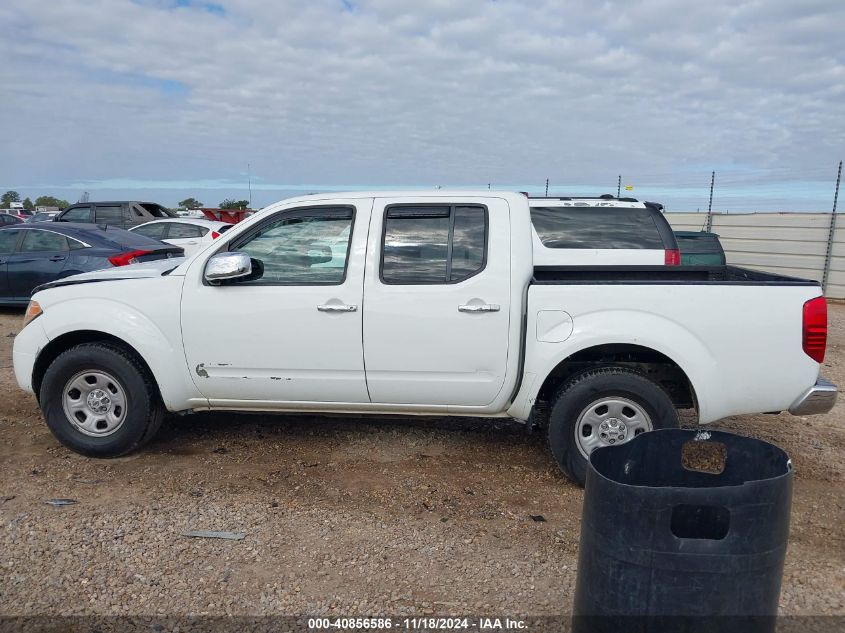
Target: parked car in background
{"points": [[33, 254], [423, 304], [603, 231], [121, 214], [8, 218], [23, 214], [42, 216], [700, 248], [191, 234]]}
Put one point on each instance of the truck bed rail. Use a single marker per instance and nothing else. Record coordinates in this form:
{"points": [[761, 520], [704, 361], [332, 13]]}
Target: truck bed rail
{"points": [[648, 275]]}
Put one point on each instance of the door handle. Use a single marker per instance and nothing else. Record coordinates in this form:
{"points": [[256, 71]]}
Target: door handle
{"points": [[57, 258], [337, 307], [483, 307]]}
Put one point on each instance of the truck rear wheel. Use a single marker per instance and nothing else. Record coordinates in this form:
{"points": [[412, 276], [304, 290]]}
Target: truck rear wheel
{"points": [[604, 407], [99, 400]]}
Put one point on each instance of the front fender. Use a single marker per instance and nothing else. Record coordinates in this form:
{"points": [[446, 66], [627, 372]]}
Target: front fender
{"points": [[633, 327], [156, 336]]}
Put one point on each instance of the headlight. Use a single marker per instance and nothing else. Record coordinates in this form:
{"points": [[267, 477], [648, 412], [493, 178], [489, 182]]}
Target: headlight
{"points": [[32, 310]]}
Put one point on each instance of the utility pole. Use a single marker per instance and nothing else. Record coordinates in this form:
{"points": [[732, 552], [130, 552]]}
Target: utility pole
{"points": [[831, 230], [619, 186], [249, 181], [547, 187], [710, 205]]}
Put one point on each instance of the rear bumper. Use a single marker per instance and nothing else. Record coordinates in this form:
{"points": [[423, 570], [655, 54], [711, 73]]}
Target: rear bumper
{"points": [[819, 398]]}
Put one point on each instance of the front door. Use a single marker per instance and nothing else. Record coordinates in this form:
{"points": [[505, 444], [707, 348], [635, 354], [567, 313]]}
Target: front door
{"points": [[294, 334], [437, 290]]}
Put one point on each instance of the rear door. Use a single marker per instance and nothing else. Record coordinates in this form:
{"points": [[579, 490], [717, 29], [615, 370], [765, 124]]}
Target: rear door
{"points": [[187, 236], [437, 302], [41, 257]]}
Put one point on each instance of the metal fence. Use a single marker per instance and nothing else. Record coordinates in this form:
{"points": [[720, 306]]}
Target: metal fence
{"points": [[797, 244]]}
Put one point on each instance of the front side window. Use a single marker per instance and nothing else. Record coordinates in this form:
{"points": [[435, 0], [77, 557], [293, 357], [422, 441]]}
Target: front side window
{"points": [[303, 247], [77, 214], [596, 227], [43, 241], [433, 245]]}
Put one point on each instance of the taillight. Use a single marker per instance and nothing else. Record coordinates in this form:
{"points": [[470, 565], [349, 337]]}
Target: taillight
{"points": [[672, 257], [123, 259], [215, 235], [814, 328]]}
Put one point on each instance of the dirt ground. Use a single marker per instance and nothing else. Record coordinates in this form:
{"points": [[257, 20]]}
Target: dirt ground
{"points": [[344, 515]]}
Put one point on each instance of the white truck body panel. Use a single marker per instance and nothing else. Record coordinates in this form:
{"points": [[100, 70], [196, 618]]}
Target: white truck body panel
{"points": [[408, 348]]}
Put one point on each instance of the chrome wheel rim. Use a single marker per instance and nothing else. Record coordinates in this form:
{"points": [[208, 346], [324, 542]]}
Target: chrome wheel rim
{"points": [[95, 403], [609, 422]]}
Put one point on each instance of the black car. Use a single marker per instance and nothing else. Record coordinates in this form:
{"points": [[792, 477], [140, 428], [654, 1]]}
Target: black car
{"points": [[123, 214], [33, 254], [8, 218]]}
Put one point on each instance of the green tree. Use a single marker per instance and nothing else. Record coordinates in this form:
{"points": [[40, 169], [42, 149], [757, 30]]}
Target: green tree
{"points": [[9, 196], [50, 201], [190, 203], [229, 203], [27, 204]]}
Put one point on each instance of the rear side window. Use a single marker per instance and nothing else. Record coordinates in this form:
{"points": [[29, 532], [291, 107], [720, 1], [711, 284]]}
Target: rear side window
{"points": [[157, 211], [180, 230], [433, 245], [8, 239], [109, 214], [43, 241], [596, 227], [155, 231], [77, 214]]}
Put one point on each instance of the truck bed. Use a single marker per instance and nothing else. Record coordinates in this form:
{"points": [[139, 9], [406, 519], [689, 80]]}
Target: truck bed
{"points": [[710, 275]]}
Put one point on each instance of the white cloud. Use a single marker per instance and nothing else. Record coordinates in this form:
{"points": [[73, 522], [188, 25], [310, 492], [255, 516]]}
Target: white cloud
{"points": [[451, 92]]}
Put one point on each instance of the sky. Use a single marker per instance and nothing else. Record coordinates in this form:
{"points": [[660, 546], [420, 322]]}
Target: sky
{"points": [[163, 99]]}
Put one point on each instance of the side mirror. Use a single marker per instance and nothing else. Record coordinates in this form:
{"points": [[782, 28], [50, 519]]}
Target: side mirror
{"points": [[228, 266]]}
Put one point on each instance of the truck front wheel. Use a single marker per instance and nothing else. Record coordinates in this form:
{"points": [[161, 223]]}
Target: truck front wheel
{"points": [[604, 407], [99, 400]]}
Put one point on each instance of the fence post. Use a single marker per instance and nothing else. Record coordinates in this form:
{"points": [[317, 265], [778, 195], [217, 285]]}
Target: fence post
{"points": [[710, 204], [831, 230]]}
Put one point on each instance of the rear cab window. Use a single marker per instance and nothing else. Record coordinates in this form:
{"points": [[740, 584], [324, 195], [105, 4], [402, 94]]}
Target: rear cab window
{"points": [[596, 227], [605, 231]]}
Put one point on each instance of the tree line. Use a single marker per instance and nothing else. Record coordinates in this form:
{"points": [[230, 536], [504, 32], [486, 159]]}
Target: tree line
{"points": [[9, 197], [50, 201]]}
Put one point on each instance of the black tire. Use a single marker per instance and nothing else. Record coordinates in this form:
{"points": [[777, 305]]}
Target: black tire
{"points": [[144, 411], [580, 391]]}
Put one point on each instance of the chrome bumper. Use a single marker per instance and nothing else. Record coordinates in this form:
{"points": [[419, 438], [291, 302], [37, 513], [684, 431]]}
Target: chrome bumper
{"points": [[819, 398]]}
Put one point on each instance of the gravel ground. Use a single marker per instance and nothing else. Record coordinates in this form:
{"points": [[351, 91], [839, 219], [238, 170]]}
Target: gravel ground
{"points": [[343, 515]]}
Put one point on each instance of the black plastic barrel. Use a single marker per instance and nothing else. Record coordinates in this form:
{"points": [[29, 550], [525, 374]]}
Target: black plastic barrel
{"points": [[672, 547]]}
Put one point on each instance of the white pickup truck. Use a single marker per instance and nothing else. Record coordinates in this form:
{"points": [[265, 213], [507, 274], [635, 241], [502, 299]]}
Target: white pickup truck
{"points": [[417, 303]]}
